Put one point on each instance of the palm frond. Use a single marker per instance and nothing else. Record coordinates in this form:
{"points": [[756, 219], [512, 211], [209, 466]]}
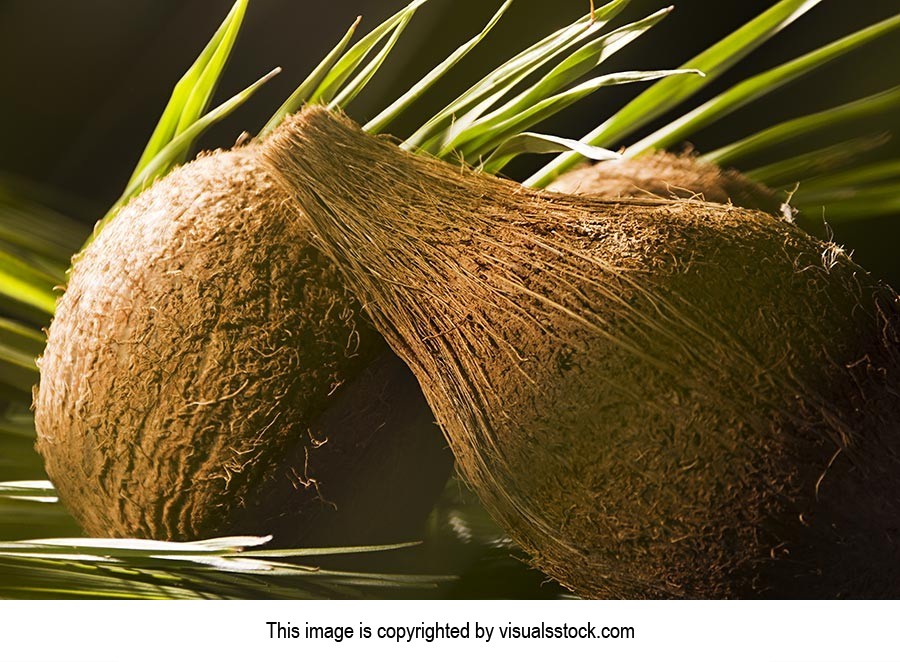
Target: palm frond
{"points": [[827, 159], [206, 568], [667, 94], [855, 113], [758, 86]]}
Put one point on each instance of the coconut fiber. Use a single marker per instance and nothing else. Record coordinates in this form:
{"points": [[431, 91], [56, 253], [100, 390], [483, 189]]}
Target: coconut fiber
{"points": [[654, 398]]}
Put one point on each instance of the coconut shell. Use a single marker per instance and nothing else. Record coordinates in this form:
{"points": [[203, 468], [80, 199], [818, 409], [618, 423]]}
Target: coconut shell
{"points": [[654, 398], [206, 374]]}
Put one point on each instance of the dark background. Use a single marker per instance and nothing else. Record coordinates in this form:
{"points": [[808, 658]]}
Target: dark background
{"points": [[83, 83]]}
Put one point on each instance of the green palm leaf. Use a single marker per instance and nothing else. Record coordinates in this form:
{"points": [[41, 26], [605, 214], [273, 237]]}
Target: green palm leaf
{"points": [[190, 97], [667, 94]]}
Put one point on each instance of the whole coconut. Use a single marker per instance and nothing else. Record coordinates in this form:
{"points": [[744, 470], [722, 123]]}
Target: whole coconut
{"points": [[654, 398], [206, 374]]}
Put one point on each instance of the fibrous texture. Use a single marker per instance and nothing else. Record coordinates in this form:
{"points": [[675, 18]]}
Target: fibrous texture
{"points": [[206, 374], [654, 398], [667, 175]]}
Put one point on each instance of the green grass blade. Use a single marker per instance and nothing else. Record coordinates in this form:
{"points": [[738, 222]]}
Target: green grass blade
{"points": [[539, 143], [456, 116], [344, 68], [668, 93], [350, 91], [803, 166], [851, 113], [758, 86], [192, 88], [302, 94], [389, 114], [485, 135], [181, 141]]}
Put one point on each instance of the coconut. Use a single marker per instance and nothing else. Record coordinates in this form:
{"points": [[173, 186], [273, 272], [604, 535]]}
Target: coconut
{"points": [[206, 374], [667, 175], [654, 398], [681, 176]]}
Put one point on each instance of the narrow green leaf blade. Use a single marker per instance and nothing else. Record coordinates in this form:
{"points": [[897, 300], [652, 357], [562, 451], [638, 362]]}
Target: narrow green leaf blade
{"points": [[803, 166], [324, 551], [184, 139], [568, 71], [856, 205], [469, 106], [587, 58], [821, 196], [21, 338], [302, 94], [485, 135], [389, 114], [539, 143], [19, 345], [33, 227], [26, 285], [41, 491], [351, 61], [167, 127], [203, 90], [19, 374], [350, 91], [851, 113], [19, 426], [857, 177]]}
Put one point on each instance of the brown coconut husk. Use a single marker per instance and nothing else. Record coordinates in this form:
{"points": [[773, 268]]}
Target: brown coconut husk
{"points": [[654, 398], [669, 176], [206, 374]]}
